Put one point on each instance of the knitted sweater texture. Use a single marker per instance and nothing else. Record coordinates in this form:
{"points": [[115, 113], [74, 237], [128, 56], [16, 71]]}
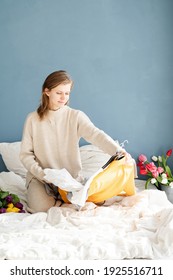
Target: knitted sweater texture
{"points": [[54, 141]]}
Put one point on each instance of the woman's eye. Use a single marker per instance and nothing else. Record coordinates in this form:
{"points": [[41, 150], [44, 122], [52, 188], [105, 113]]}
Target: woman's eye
{"points": [[66, 93]]}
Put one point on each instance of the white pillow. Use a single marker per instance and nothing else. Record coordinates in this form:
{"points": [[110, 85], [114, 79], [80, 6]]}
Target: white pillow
{"points": [[10, 155]]}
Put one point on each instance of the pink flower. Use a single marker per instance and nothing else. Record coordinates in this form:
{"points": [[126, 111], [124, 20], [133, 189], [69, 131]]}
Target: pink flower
{"points": [[151, 167], [142, 158], [160, 169], [155, 174], [169, 153]]}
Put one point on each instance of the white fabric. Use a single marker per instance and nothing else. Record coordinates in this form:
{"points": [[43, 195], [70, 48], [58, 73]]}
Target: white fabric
{"points": [[10, 155], [62, 179], [140, 226], [9, 181], [92, 159]]}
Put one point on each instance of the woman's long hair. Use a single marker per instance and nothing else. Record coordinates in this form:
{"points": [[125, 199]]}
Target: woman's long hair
{"points": [[53, 80]]}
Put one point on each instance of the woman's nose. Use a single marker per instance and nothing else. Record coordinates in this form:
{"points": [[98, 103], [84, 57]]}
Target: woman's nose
{"points": [[62, 96]]}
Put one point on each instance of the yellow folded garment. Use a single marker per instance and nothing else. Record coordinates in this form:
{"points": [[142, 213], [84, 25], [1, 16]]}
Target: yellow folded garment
{"points": [[116, 179]]}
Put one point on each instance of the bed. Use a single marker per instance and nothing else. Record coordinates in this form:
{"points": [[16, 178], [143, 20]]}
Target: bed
{"points": [[134, 227]]}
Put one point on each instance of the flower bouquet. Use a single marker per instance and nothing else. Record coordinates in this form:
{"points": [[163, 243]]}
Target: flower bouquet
{"points": [[10, 203], [158, 171]]}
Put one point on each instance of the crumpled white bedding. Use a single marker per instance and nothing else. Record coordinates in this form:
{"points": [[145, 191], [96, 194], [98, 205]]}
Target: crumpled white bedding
{"points": [[140, 226]]}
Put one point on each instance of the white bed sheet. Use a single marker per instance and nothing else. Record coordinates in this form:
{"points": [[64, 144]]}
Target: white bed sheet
{"points": [[140, 226]]}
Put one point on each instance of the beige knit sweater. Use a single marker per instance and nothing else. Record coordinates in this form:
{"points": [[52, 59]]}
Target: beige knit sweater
{"points": [[54, 141]]}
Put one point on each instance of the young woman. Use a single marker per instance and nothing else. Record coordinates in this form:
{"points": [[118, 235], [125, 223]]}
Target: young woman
{"points": [[51, 140]]}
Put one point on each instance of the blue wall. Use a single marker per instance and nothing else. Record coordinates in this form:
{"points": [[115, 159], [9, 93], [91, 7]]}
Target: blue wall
{"points": [[119, 53]]}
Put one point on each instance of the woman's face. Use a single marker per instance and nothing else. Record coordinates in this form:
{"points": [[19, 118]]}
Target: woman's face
{"points": [[58, 96]]}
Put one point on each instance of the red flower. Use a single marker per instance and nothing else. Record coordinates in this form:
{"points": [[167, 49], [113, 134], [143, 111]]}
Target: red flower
{"points": [[140, 164], [169, 153], [143, 170], [151, 167]]}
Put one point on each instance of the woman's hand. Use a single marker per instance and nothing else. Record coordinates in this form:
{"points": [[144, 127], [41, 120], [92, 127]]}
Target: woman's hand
{"points": [[121, 153]]}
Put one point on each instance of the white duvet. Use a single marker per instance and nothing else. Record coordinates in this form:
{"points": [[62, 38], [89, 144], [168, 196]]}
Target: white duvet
{"points": [[140, 226]]}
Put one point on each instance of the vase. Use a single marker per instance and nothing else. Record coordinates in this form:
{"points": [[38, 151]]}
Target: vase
{"points": [[169, 192], [158, 187]]}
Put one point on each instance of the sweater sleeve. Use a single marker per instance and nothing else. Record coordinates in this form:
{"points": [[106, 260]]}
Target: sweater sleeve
{"points": [[27, 156], [97, 137]]}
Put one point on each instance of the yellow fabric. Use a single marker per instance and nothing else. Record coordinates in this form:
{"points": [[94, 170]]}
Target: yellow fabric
{"points": [[63, 195], [116, 179]]}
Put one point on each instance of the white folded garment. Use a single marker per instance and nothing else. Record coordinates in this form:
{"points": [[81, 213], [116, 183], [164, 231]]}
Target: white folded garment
{"points": [[77, 192]]}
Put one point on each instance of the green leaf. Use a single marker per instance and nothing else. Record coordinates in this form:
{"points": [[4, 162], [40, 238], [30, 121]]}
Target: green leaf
{"points": [[0, 204], [163, 161], [168, 170], [147, 182], [159, 179], [4, 194], [170, 179], [15, 198], [4, 203]]}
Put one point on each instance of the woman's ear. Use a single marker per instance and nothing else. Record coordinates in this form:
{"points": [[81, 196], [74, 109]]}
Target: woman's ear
{"points": [[46, 91]]}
